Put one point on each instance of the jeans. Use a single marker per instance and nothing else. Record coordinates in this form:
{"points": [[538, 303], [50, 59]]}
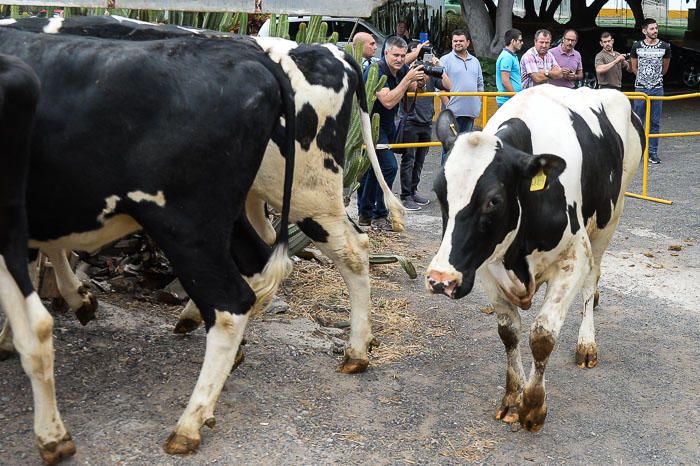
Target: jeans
{"points": [[464, 125], [654, 119], [412, 160], [370, 198]]}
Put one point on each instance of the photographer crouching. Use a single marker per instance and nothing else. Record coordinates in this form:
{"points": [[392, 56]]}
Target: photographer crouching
{"points": [[400, 79], [417, 120]]}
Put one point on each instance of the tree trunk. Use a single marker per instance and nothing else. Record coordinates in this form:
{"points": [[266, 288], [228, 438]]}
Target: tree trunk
{"points": [[480, 26], [636, 7], [530, 13], [582, 15], [504, 22]]}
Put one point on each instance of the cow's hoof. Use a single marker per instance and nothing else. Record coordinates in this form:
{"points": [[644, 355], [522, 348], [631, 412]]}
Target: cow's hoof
{"points": [[185, 326], [86, 312], [6, 354], [353, 366], [180, 445], [596, 298], [532, 417], [240, 357], [508, 411], [587, 355], [53, 452]]}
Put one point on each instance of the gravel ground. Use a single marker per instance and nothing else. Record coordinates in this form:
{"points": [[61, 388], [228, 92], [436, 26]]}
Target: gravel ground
{"points": [[123, 380]]}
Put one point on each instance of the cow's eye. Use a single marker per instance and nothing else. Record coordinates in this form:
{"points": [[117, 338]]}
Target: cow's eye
{"points": [[493, 203]]}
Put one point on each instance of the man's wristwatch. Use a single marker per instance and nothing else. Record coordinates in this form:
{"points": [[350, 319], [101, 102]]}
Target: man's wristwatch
{"points": [[546, 73]]}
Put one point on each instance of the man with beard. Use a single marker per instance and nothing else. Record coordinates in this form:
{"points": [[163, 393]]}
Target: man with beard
{"points": [[609, 64], [650, 60]]}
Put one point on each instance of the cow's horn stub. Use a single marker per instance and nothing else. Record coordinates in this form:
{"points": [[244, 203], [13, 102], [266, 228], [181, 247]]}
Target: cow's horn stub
{"points": [[474, 139]]}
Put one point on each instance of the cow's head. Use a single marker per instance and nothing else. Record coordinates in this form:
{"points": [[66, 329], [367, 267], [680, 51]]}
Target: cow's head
{"points": [[480, 192]]}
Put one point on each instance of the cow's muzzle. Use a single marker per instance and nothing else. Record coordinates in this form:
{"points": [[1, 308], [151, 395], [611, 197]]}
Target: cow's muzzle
{"points": [[442, 283]]}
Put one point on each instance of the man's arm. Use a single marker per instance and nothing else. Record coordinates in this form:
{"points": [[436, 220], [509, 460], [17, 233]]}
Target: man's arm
{"points": [[505, 79], [605, 67], [666, 63], [633, 65], [578, 75], [413, 54], [479, 78], [389, 98]]}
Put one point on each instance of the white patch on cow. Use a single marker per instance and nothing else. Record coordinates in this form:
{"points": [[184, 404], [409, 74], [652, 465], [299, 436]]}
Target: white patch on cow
{"points": [[54, 26], [123, 19], [140, 196], [7, 22], [113, 228], [110, 206]]}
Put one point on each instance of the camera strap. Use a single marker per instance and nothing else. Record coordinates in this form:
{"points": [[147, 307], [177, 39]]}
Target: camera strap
{"points": [[406, 108]]}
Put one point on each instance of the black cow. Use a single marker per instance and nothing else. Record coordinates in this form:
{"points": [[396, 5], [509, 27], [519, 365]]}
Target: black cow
{"points": [[519, 216], [324, 81], [166, 136]]}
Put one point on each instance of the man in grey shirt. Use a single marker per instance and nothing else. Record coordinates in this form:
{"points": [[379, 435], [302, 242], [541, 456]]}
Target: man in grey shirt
{"points": [[465, 75]]}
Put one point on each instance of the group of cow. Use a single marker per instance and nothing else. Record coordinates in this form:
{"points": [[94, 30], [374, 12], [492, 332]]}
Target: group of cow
{"points": [[109, 126]]}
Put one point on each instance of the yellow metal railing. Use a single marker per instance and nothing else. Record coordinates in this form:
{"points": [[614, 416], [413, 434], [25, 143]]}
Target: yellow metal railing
{"points": [[631, 95]]}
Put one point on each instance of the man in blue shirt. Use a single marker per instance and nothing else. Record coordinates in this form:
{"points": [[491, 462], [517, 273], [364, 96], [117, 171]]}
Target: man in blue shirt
{"points": [[508, 66], [400, 78]]}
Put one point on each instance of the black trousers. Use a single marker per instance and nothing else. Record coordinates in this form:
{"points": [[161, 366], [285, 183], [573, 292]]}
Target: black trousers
{"points": [[412, 160], [608, 86]]}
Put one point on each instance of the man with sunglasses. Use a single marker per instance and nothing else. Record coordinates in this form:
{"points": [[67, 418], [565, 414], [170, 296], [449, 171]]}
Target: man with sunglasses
{"points": [[508, 66]]}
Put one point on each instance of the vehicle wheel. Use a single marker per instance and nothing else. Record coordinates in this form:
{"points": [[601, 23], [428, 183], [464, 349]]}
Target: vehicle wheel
{"points": [[691, 75], [589, 80]]}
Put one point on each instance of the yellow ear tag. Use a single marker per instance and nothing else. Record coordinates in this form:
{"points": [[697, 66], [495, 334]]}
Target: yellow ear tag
{"points": [[538, 181]]}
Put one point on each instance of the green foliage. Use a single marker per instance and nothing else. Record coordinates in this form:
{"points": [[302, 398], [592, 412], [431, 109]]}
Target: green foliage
{"points": [[356, 160], [488, 68], [313, 32], [415, 14]]}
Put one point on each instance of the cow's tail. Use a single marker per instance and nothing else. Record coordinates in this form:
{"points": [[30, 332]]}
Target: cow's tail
{"points": [[279, 265], [396, 209]]}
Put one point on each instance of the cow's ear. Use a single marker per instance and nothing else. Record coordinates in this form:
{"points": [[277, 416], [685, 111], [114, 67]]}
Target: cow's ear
{"points": [[446, 129], [551, 165]]}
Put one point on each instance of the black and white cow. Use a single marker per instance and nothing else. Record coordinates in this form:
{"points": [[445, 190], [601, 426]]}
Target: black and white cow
{"points": [[166, 136], [533, 199], [32, 323], [324, 82]]}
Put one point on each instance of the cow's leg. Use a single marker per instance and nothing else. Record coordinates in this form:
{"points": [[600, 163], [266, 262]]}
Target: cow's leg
{"points": [[255, 211], [586, 346], [561, 291], [225, 300], [7, 349], [79, 299], [32, 327], [251, 255], [509, 329], [348, 248]]}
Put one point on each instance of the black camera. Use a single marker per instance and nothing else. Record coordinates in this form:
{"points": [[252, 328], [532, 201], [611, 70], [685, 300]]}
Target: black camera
{"points": [[428, 68]]}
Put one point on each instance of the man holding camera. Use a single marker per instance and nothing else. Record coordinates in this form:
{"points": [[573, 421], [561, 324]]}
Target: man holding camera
{"points": [[609, 64], [400, 79], [418, 116]]}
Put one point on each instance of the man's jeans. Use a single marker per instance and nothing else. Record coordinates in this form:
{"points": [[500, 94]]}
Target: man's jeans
{"points": [[412, 160], [655, 117], [370, 198], [464, 125]]}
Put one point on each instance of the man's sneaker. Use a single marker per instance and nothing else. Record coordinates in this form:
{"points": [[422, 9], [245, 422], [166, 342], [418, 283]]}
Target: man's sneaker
{"points": [[383, 224], [654, 160], [420, 200], [410, 205], [364, 221]]}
